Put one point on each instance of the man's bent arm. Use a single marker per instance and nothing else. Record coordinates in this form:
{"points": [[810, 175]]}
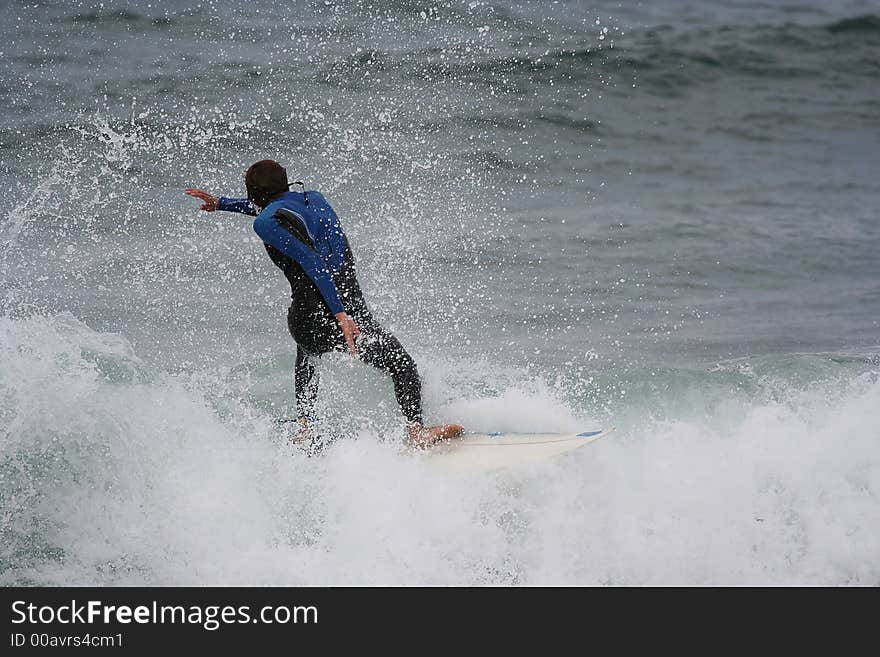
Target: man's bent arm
{"points": [[272, 233], [335, 236]]}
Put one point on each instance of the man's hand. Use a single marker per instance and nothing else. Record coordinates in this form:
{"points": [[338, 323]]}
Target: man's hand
{"points": [[210, 202], [303, 432], [349, 330]]}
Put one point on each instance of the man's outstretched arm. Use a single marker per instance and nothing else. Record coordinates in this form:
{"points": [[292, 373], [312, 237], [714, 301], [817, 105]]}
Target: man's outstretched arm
{"points": [[211, 203]]}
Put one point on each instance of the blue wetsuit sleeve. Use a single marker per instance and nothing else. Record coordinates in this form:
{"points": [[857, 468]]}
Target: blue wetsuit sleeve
{"points": [[335, 235], [272, 233], [337, 243], [241, 205]]}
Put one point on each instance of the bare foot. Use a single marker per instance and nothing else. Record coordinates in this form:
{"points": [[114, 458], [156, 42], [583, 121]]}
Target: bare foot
{"points": [[424, 437]]}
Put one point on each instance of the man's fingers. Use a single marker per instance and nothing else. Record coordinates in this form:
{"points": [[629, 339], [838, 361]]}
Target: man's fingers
{"points": [[198, 193], [209, 200], [350, 331]]}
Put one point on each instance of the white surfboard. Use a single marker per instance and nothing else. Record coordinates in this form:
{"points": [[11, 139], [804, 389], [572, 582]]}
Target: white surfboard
{"points": [[491, 451]]}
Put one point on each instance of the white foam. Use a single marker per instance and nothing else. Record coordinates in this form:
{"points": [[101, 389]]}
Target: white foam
{"points": [[115, 474]]}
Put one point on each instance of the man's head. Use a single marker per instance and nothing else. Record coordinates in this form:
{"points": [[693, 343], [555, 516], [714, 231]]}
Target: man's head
{"points": [[264, 180]]}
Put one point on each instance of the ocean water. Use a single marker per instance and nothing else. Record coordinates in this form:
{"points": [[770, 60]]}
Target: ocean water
{"points": [[661, 217]]}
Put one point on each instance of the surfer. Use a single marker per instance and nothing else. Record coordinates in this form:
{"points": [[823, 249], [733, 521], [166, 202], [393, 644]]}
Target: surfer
{"points": [[304, 238]]}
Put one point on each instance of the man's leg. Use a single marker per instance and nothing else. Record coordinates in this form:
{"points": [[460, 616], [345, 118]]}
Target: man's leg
{"points": [[377, 347], [306, 380], [310, 339], [314, 327]]}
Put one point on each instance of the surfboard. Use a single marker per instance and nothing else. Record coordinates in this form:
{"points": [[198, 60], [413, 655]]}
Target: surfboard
{"points": [[492, 451]]}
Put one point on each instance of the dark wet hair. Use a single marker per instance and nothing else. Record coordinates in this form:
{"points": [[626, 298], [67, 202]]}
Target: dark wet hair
{"points": [[264, 180]]}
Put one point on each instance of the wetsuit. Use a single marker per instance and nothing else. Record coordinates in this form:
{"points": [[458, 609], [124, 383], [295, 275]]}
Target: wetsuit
{"points": [[304, 238]]}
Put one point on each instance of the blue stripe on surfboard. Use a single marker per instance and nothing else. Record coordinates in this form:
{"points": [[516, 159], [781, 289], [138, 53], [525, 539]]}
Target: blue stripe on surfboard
{"points": [[585, 434]]}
